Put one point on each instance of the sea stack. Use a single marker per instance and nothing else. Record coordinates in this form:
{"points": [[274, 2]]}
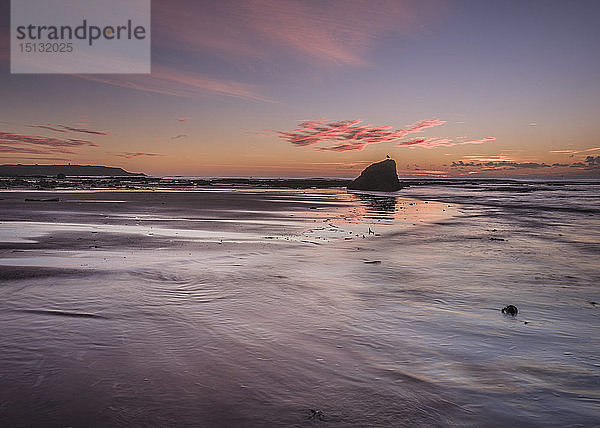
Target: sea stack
{"points": [[378, 177]]}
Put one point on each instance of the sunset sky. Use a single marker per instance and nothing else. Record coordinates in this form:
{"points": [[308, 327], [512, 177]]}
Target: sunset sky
{"points": [[323, 88]]}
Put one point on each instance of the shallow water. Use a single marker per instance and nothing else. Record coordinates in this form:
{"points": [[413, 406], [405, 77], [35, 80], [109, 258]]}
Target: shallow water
{"points": [[248, 308]]}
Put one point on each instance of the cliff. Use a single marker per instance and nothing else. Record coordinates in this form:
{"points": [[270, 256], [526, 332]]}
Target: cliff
{"points": [[66, 170]]}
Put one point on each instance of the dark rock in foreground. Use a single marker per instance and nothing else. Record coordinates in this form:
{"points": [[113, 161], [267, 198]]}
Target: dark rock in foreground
{"points": [[510, 310], [379, 177]]}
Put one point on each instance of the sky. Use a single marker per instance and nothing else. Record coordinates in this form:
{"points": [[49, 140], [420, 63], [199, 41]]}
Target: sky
{"points": [[290, 88]]}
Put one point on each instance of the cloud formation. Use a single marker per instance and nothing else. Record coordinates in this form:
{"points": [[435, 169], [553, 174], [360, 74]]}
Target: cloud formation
{"points": [[35, 144], [574, 152], [169, 81], [349, 135], [49, 127], [336, 32], [591, 163], [431, 143], [489, 158], [65, 129], [29, 150], [131, 155], [83, 130], [501, 165], [179, 136], [37, 158]]}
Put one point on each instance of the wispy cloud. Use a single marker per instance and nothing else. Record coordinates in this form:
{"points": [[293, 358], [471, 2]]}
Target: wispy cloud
{"points": [[478, 141], [168, 81], [182, 119], [65, 129], [31, 150], [489, 158], [422, 172], [130, 155], [574, 152], [44, 158], [500, 165], [259, 35], [332, 32], [83, 130], [315, 32], [349, 135], [178, 137], [591, 164], [431, 143], [35, 144], [44, 141], [49, 127]]}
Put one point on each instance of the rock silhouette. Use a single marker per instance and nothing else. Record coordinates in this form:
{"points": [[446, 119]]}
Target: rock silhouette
{"points": [[379, 177]]}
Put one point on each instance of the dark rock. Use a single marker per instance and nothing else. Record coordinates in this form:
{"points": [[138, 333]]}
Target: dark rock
{"points": [[379, 177], [42, 200], [316, 415], [510, 310]]}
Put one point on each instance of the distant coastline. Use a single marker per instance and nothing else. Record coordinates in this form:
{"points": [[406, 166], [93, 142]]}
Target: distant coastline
{"points": [[65, 170]]}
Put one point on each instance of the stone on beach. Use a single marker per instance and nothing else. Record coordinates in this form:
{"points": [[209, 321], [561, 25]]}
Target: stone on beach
{"points": [[510, 310], [380, 177]]}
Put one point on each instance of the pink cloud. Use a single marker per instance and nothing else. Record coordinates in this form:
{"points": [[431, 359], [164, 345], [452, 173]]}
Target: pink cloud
{"points": [[350, 135], [479, 141]]}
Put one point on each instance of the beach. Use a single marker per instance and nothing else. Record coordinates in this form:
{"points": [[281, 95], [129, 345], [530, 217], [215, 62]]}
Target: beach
{"points": [[262, 306]]}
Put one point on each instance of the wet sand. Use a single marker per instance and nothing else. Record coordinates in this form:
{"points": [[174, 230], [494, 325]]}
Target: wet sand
{"points": [[250, 307]]}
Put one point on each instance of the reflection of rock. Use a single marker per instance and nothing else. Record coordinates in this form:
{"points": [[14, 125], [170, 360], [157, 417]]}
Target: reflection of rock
{"points": [[380, 177], [378, 205]]}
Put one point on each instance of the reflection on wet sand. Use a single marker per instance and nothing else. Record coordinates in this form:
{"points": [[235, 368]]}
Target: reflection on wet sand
{"points": [[395, 211], [378, 206]]}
